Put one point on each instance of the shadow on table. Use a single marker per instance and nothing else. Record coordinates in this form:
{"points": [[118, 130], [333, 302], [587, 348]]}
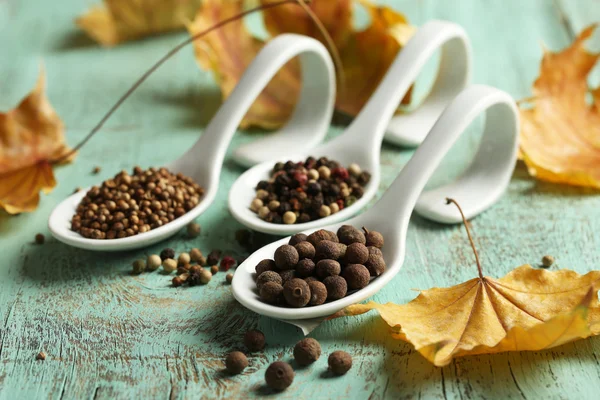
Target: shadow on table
{"points": [[74, 40], [198, 105]]}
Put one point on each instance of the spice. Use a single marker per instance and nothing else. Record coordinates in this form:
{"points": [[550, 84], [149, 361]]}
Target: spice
{"points": [[169, 265], [286, 275], [167, 253], [184, 258], [286, 257], [193, 230], [307, 351], [178, 281], [40, 239], [153, 262], [268, 276], [325, 268], [40, 356], [305, 268], [229, 278], [297, 238], [227, 263], [336, 287], [305, 250], [356, 253], [139, 266], [299, 192], [373, 238], [356, 275], [265, 265], [127, 205], [375, 264], [339, 362], [326, 249], [318, 292], [213, 257], [296, 292], [254, 340], [322, 234], [348, 234], [236, 362], [271, 292], [279, 375], [196, 256], [96, 170], [214, 269], [547, 261]]}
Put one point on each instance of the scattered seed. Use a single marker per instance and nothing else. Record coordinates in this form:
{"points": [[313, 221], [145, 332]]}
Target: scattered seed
{"points": [[153, 262], [193, 230], [214, 269], [339, 362], [229, 278], [279, 375], [96, 170], [40, 356], [213, 257], [40, 239], [307, 351], [139, 266], [227, 263], [236, 362], [254, 340], [547, 261], [169, 265]]}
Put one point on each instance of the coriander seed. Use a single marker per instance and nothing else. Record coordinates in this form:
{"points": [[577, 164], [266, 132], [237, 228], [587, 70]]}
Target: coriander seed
{"points": [[169, 265]]}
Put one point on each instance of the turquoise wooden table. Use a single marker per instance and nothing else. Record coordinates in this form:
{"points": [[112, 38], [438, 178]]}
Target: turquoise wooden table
{"points": [[108, 334]]}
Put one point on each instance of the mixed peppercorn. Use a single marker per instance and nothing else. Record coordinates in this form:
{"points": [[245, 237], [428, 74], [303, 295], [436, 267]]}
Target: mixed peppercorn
{"points": [[130, 204], [306, 191], [320, 267]]}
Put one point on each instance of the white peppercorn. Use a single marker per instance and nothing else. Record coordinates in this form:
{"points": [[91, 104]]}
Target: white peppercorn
{"points": [[256, 205], [184, 258], [263, 212], [313, 174], [324, 211], [153, 262], [354, 169], [334, 207], [169, 265], [262, 194], [289, 218]]}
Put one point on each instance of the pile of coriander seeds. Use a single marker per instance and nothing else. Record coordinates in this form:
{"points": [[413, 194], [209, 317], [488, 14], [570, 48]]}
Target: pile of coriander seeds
{"points": [[130, 204], [305, 191], [323, 266]]}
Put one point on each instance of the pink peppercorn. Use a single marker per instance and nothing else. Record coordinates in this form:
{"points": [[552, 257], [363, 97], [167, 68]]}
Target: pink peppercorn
{"points": [[227, 262], [340, 172], [300, 178], [340, 204]]}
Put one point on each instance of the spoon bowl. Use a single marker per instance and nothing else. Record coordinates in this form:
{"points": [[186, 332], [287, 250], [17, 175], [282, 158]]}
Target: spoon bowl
{"points": [[204, 160], [356, 145], [478, 188]]}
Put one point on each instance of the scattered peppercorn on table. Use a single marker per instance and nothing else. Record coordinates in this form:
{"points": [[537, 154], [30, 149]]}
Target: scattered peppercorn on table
{"points": [[77, 324]]}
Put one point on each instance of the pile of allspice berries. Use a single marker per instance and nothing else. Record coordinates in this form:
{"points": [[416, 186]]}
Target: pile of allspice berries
{"points": [[280, 375], [323, 266]]}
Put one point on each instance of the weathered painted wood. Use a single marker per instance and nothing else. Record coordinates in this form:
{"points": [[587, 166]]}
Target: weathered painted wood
{"points": [[111, 335]]}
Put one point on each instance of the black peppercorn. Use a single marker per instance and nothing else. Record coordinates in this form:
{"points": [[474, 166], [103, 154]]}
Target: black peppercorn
{"points": [[297, 238], [336, 287], [236, 362], [254, 340], [305, 268], [339, 362], [357, 276], [374, 238], [296, 292], [325, 268], [264, 265], [279, 375], [271, 292], [318, 292], [213, 257], [268, 276], [375, 264], [305, 250], [286, 257], [167, 253], [262, 185], [307, 351]]}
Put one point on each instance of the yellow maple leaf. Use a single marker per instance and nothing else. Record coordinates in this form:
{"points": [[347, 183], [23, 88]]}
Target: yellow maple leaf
{"points": [[560, 134], [117, 21], [528, 309], [365, 55], [31, 136]]}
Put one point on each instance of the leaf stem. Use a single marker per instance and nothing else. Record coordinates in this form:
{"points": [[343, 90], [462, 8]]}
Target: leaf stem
{"points": [[162, 60], [465, 222]]}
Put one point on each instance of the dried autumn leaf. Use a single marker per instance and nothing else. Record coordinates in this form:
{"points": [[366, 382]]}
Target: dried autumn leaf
{"points": [[31, 135], [117, 21], [560, 134], [365, 55], [528, 309]]}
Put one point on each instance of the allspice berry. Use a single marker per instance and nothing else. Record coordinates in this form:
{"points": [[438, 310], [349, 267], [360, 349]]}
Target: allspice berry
{"points": [[254, 340], [296, 292], [336, 287], [271, 292], [193, 230], [318, 292], [311, 279], [339, 362], [236, 362], [307, 351], [169, 265], [305, 250], [375, 264], [322, 234], [348, 234], [325, 268], [153, 262], [374, 238], [326, 249], [297, 238], [286, 257], [356, 253], [357, 276], [305, 267], [279, 375], [265, 265], [268, 276], [547, 261], [287, 275], [139, 266]]}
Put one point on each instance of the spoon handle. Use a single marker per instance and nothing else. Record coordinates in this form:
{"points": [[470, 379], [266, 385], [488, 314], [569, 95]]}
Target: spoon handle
{"points": [[312, 113], [482, 183], [370, 125]]}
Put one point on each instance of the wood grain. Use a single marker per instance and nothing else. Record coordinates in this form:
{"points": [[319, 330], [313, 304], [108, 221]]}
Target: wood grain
{"points": [[108, 334]]}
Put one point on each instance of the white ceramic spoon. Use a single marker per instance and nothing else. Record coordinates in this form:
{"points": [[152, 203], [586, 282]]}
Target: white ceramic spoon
{"points": [[204, 160], [477, 189], [409, 129], [361, 142]]}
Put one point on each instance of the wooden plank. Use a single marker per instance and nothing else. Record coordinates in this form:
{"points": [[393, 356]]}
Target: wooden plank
{"points": [[111, 335]]}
